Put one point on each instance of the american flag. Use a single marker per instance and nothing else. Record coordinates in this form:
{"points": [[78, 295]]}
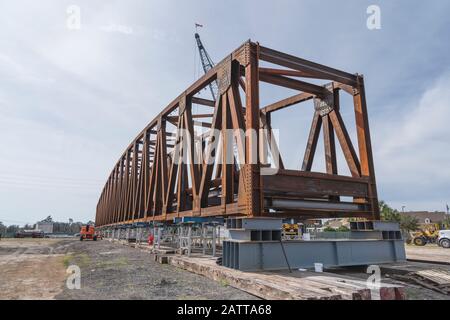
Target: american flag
{"points": [[198, 25]]}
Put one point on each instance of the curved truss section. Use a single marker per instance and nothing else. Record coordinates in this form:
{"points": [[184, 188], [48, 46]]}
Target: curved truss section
{"points": [[201, 157]]}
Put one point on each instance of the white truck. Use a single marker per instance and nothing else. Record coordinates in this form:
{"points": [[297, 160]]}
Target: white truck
{"points": [[444, 238]]}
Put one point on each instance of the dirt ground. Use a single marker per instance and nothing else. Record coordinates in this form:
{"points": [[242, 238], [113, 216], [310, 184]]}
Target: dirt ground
{"points": [[36, 269], [32, 268], [431, 252]]}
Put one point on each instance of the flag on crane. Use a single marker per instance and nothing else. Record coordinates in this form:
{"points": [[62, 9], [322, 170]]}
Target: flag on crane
{"points": [[198, 25]]}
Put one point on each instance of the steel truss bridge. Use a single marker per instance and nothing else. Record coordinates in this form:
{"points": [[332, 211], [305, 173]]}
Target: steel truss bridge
{"points": [[151, 182]]}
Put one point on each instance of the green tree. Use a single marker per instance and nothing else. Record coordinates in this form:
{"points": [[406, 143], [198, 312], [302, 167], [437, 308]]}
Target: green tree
{"points": [[446, 222], [2, 229], [389, 214], [408, 223], [342, 229], [12, 229], [75, 227]]}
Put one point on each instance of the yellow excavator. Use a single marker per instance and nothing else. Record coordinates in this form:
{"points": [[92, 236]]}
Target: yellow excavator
{"points": [[428, 233]]}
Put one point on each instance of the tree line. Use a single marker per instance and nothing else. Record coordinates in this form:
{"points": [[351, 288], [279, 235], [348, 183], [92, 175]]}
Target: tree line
{"points": [[69, 227]]}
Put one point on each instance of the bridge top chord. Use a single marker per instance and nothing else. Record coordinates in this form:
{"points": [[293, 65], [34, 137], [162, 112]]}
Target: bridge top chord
{"points": [[221, 158]]}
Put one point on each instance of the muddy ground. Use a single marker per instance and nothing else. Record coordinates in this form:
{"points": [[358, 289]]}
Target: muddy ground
{"points": [[36, 269]]}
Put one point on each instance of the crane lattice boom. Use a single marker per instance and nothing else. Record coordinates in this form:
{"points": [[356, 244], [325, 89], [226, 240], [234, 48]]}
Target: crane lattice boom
{"points": [[207, 64]]}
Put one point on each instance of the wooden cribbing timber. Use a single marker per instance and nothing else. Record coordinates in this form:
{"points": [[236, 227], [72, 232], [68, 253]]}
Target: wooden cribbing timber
{"points": [[437, 280], [298, 285], [281, 284]]}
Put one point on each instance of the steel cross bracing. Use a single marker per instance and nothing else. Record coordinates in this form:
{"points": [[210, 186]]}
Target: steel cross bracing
{"points": [[152, 182]]}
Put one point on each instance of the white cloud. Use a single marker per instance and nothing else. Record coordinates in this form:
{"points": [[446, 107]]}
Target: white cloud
{"points": [[423, 122], [412, 150], [117, 28], [12, 68], [70, 101]]}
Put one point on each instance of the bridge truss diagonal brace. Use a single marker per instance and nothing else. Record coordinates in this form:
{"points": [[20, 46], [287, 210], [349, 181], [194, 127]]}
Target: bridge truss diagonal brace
{"points": [[151, 183]]}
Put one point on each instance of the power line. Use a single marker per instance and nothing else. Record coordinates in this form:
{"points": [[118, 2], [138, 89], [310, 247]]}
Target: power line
{"points": [[48, 183], [9, 185], [15, 221], [34, 176]]}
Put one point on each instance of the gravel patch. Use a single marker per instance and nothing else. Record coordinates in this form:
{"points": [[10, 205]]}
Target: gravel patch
{"points": [[114, 271]]}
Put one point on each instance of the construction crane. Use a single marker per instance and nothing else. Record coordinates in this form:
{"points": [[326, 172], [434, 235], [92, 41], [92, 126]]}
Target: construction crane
{"points": [[207, 63]]}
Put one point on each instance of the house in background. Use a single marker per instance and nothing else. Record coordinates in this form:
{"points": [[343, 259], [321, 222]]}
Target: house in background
{"points": [[426, 217]]}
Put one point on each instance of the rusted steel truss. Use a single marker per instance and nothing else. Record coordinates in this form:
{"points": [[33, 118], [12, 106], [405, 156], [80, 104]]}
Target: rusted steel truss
{"points": [[160, 177]]}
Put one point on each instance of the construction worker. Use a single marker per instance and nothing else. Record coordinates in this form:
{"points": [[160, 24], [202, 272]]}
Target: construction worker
{"points": [[150, 239]]}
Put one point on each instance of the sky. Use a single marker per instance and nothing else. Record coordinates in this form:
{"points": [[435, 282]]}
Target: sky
{"points": [[71, 100]]}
